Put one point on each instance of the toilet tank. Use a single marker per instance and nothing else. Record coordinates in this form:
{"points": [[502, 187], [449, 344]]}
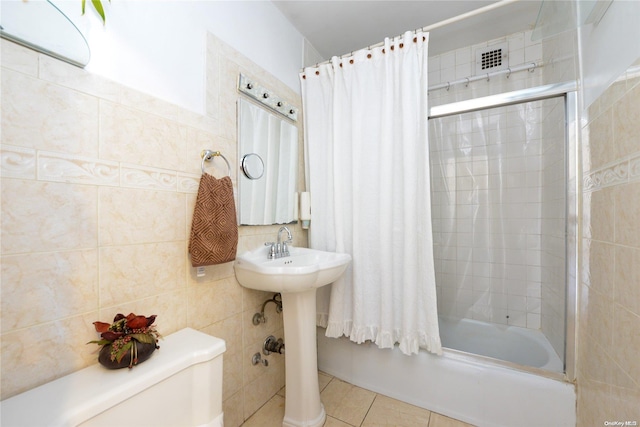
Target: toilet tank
{"points": [[180, 385]]}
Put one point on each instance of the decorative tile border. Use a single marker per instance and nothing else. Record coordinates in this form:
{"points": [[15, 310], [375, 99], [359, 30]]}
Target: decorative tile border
{"points": [[28, 163], [76, 169], [188, 183], [624, 170], [133, 176], [18, 162]]}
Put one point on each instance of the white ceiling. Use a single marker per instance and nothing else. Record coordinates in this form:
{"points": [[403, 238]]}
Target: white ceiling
{"points": [[339, 27]]}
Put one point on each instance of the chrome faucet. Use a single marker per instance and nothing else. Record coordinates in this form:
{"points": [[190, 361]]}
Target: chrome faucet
{"points": [[280, 249], [282, 246]]}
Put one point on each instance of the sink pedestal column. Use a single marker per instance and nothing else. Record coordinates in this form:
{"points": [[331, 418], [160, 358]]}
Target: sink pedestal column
{"points": [[303, 407]]}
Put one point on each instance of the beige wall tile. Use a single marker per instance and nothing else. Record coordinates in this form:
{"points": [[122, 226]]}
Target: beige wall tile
{"points": [[608, 367], [233, 409], [43, 287], [170, 308], [133, 136], [212, 302], [593, 403], [598, 215], [36, 355], [78, 79], [626, 341], [600, 139], [138, 216], [624, 402], [19, 59], [132, 272], [263, 388], [276, 361], [62, 120], [41, 216], [230, 330], [626, 123], [627, 214], [627, 278], [259, 332], [597, 265]]}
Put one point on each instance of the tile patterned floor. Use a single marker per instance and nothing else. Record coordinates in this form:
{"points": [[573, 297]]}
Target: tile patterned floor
{"points": [[350, 406]]}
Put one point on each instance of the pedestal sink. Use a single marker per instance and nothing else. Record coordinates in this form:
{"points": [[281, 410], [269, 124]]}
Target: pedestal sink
{"points": [[296, 277]]}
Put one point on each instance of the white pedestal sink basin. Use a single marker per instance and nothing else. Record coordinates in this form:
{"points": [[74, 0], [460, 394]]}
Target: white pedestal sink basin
{"points": [[296, 277]]}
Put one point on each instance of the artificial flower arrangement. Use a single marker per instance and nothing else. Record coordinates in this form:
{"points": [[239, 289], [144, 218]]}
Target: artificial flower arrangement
{"points": [[127, 341]]}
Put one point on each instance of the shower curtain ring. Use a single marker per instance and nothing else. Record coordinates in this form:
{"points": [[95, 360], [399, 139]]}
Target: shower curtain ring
{"points": [[467, 83], [508, 72], [488, 77], [448, 86]]}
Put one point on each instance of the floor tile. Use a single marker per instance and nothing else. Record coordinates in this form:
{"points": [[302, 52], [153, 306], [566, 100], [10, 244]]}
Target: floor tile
{"points": [[270, 415], [350, 406], [386, 411], [346, 402], [323, 380], [333, 422], [438, 420]]}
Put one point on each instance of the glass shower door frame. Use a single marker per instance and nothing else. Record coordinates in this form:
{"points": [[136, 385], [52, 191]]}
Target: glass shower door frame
{"points": [[568, 91]]}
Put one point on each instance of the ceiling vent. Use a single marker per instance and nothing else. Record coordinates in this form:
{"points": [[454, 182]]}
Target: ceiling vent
{"points": [[492, 58]]}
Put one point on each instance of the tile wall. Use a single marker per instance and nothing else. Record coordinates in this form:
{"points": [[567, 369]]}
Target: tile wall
{"points": [[495, 194], [98, 188], [609, 292], [488, 169], [461, 63]]}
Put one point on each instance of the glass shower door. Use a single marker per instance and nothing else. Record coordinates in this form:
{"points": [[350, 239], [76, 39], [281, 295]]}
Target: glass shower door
{"points": [[499, 218]]}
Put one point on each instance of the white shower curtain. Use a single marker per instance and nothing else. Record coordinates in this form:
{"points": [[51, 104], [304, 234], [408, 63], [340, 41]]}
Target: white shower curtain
{"points": [[367, 160]]}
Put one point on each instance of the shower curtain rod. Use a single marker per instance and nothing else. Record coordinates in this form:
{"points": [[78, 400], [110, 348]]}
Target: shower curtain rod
{"points": [[439, 24], [531, 66]]}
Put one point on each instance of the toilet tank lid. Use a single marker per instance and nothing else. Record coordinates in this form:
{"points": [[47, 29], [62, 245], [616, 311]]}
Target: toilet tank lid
{"points": [[77, 397]]}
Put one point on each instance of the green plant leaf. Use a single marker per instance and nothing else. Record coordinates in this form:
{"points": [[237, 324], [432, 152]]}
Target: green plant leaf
{"points": [[98, 5], [125, 348], [143, 338], [83, 4]]}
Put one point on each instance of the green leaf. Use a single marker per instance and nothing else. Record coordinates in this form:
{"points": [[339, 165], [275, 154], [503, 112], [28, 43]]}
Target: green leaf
{"points": [[125, 348], [83, 3], [144, 338], [98, 5]]}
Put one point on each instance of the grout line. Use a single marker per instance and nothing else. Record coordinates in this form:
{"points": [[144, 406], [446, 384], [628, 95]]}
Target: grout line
{"points": [[369, 409]]}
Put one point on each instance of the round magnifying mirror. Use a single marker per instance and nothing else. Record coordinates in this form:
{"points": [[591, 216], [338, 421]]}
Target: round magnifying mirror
{"points": [[252, 166]]}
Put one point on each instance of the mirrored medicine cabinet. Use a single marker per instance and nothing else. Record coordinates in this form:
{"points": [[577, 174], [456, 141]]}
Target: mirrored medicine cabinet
{"points": [[41, 26], [268, 158]]}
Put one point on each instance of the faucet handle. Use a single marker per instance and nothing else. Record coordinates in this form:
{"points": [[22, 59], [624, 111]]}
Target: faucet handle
{"points": [[272, 250], [285, 249]]}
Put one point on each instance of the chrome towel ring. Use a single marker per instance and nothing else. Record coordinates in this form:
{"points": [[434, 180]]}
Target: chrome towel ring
{"points": [[207, 155]]}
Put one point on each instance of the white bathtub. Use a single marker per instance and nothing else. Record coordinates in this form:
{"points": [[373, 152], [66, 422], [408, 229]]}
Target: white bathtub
{"points": [[521, 346], [468, 388]]}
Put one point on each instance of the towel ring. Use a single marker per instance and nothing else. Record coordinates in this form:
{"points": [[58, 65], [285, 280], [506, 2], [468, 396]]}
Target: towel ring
{"points": [[210, 154]]}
